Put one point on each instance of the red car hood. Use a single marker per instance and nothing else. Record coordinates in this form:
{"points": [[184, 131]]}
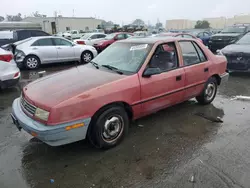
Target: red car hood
{"points": [[54, 89]]}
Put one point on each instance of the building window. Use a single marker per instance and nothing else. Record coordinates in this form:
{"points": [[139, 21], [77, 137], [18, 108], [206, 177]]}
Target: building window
{"points": [[67, 28]]}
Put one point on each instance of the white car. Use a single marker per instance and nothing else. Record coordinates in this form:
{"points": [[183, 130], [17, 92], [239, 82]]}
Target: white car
{"points": [[90, 38], [51, 49], [9, 72], [73, 34]]}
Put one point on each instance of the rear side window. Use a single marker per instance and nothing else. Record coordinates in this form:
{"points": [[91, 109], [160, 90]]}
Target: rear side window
{"points": [[23, 34], [43, 42], [189, 53], [200, 52], [38, 33]]}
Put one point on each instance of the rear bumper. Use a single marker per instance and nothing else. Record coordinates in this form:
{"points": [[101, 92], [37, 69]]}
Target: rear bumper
{"points": [[9, 83], [213, 46], [52, 135]]}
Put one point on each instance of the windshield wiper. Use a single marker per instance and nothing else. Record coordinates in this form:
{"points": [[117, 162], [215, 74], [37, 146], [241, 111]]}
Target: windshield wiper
{"points": [[95, 64], [112, 68]]}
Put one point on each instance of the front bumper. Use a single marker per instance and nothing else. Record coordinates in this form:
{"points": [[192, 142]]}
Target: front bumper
{"points": [[52, 135]]}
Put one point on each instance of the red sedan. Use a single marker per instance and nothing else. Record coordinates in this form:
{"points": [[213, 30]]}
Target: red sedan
{"points": [[130, 79], [110, 39], [182, 35]]}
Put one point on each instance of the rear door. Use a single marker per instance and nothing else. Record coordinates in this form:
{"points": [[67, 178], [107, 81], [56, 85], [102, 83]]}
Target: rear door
{"points": [[45, 49], [65, 49], [196, 68], [167, 88]]}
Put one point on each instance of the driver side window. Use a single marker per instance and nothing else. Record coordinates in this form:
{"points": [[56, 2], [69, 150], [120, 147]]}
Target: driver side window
{"points": [[165, 57]]}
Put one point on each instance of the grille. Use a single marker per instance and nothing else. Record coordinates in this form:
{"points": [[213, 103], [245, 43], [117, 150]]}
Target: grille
{"points": [[31, 109], [221, 37], [238, 62]]}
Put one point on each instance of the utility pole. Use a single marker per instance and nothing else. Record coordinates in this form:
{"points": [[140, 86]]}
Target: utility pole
{"points": [[73, 13]]}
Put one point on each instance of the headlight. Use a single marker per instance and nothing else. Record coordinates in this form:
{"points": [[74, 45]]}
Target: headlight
{"points": [[219, 52], [42, 114]]}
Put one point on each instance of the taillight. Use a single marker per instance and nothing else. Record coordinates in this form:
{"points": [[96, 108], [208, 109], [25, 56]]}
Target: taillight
{"points": [[7, 57], [80, 42], [17, 74]]}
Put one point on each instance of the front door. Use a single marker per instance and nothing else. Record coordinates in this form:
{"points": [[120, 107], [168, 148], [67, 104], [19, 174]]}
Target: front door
{"points": [[45, 49], [195, 67], [164, 89], [65, 50]]}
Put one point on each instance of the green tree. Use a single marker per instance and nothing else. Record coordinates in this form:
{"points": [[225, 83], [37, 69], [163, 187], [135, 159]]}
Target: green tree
{"points": [[138, 22], [14, 18], [158, 25], [202, 24]]}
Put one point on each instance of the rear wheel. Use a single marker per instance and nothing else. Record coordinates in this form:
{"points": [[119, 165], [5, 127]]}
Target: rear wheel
{"points": [[32, 62], [209, 92], [86, 57], [109, 128]]}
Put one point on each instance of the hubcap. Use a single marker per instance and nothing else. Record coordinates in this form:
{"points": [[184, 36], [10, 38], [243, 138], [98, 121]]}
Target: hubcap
{"points": [[32, 62], [112, 128], [210, 91], [87, 57]]}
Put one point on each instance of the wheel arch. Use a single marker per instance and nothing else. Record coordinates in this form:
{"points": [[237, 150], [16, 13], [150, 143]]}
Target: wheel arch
{"points": [[218, 78]]}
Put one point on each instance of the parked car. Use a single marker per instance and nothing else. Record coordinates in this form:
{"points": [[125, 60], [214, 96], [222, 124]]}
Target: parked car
{"points": [[141, 33], [9, 73], [228, 35], [238, 55], [125, 82], [90, 38], [7, 37], [182, 35], [73, 34], [203, 35], [42, 50], [110, 39]]}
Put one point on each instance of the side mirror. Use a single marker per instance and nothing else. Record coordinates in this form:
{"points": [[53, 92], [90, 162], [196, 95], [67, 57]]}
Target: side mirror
{"points": [[151, 71]]}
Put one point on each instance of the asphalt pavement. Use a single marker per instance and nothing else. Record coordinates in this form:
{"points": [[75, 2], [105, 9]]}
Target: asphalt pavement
{"points": [[181, 146]]}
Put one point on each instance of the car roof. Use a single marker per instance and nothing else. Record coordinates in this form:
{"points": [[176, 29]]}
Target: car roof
{"points": [[152, 40]]}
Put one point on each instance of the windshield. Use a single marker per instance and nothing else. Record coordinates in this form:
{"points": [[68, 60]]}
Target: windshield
{"points": [[126, 57], [110, 36], [244, 40], [86, 36], [234, 29]]}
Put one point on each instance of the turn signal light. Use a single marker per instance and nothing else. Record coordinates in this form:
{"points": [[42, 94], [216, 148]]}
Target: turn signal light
{"points": [[74, 126], [80, 42]]}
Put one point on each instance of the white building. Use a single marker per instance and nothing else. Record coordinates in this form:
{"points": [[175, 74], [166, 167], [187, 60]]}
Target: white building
{"points": [[216, 23], [53, 25]]}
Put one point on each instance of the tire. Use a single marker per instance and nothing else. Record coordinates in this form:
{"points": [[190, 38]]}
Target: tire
{"points": [[86, 57], [209, 92], [32, 62], [113, 134]]}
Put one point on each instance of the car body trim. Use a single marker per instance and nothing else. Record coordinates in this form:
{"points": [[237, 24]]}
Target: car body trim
{"points": [[166, 94]]}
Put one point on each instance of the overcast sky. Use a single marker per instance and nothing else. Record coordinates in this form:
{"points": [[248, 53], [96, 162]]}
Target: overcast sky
{"points": [[127, 10]]}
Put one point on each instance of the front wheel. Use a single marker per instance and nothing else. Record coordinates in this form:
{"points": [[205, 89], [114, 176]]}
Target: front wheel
{"points": [[110, 127], [86, 57], [209, 92]]}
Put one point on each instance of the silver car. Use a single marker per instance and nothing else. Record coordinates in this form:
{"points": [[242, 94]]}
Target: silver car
{"points": [[51, 49], [9, 73]]}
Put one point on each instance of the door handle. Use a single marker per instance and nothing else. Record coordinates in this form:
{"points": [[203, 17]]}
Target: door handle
{"points": [[206, 69], [59, 48], [178, 78], [34, 48]]}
